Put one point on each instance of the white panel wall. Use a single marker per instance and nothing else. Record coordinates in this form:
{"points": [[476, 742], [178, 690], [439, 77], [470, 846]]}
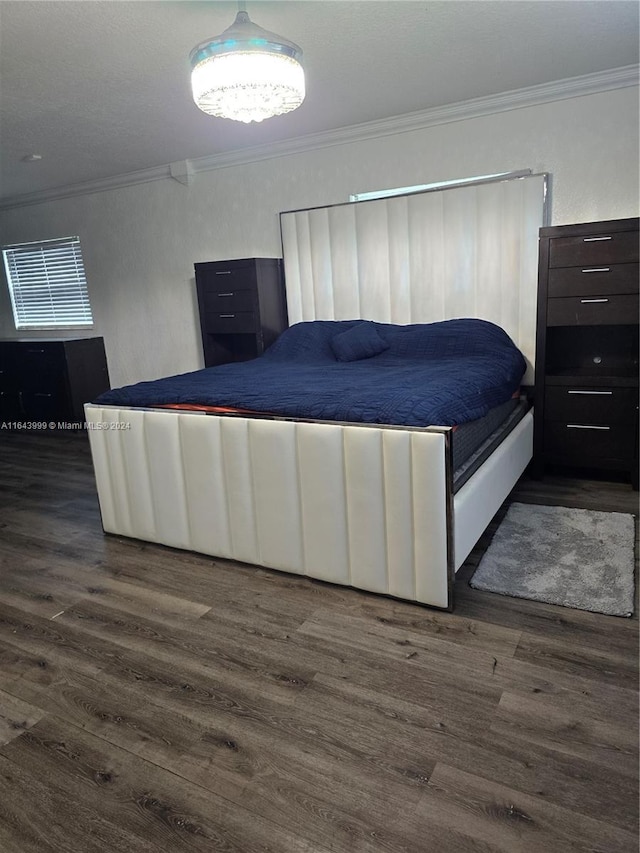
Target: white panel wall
{"points": [[140, 242]]}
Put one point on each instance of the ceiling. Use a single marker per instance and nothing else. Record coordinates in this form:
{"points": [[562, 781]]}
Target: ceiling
{"points": [[99, 88]]}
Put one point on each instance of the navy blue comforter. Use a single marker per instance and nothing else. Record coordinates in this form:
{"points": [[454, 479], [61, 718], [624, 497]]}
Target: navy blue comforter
{"points": [[443, 373]]}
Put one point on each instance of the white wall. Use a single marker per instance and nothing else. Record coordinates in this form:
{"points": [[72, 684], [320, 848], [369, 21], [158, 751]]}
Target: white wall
{"points": [[140, 242]]}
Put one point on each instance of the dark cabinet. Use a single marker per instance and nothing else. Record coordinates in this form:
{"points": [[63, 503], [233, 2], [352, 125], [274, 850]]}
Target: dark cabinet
{"points": [[242, 306], [586, 396], [50, 380]]}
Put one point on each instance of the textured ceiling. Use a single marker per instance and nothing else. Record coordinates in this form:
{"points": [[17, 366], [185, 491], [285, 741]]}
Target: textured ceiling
{"points": [[102, 88]]}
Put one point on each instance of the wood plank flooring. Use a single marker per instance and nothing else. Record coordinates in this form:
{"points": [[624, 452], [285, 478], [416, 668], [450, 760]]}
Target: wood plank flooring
{"points": [[155, 701]]}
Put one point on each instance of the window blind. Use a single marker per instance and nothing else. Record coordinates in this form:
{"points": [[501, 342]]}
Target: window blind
{"points": [[47, 284]]}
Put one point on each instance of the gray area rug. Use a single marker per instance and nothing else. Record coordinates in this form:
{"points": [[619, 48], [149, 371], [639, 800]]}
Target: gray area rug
{"points": [[572, 557]]}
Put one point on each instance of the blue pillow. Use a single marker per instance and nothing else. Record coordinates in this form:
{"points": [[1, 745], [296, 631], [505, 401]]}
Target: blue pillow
{"points": [[360, 341]]}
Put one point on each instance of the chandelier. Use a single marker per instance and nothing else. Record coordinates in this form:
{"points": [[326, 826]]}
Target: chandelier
{"points": [[247, 73]]}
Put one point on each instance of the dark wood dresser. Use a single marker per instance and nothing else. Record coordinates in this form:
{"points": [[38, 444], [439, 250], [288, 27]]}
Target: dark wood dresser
{"points": [[242, 305], [586, 395], [49, 380]]}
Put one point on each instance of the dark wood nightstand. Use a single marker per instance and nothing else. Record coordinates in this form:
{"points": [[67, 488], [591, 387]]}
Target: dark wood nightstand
{"points": [[586, 396], [242, 305]]}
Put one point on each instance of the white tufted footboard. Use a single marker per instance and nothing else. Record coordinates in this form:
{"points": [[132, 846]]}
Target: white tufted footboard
{"points": [[364, 506]]}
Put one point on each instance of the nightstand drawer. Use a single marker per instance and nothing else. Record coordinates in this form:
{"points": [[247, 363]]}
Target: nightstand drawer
{"points": [[598, 310], [619, 247], [222, 278], [601, 406], [588, 445], [594, 280], [229, 301], [231, 321]]}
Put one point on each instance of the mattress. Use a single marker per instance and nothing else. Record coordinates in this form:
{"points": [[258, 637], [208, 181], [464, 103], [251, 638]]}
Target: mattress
{"points": [[466, 438], [474, 442]]}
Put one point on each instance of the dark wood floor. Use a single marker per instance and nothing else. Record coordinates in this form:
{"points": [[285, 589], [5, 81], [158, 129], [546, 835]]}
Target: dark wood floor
{"points": [[156, 701]]}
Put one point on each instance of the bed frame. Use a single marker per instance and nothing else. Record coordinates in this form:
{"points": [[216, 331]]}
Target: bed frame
{"points": [[361, 505]]}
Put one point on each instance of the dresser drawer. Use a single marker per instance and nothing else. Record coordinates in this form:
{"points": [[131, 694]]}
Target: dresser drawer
{"points": [[598, 310], [39, 363], [228, 301], [594, 280], [602, 406], [10, 406], [8, 367], [619, 247], [9, 352], [8, 378], [588, 445], [227, 278], [45, 405], [231, 321]]}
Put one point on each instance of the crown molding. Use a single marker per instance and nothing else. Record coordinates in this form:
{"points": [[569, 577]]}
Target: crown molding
{"points": [[558, 90], [127, 179]]}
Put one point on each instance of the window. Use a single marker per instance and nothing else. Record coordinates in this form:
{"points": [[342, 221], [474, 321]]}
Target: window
{"points": [[47, 284], [440, 185]]}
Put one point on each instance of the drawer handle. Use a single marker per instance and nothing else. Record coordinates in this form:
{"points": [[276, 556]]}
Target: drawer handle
{"points": [[594, 393], [223, 272], [586, 426], [594, 239], [598, 269], [41, 394], [584, 301], [226, 316], [224, 294], [35, 350]]}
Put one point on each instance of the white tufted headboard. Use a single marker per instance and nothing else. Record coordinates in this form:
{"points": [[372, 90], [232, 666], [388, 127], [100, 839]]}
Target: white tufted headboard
{"points": [[468, 251]]}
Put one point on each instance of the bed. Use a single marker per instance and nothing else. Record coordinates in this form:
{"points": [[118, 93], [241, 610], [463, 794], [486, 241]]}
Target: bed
{"points": [[329, 492]]}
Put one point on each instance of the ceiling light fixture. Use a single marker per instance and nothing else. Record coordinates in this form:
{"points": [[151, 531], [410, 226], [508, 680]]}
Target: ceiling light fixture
{"points": [[247, 73]]}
